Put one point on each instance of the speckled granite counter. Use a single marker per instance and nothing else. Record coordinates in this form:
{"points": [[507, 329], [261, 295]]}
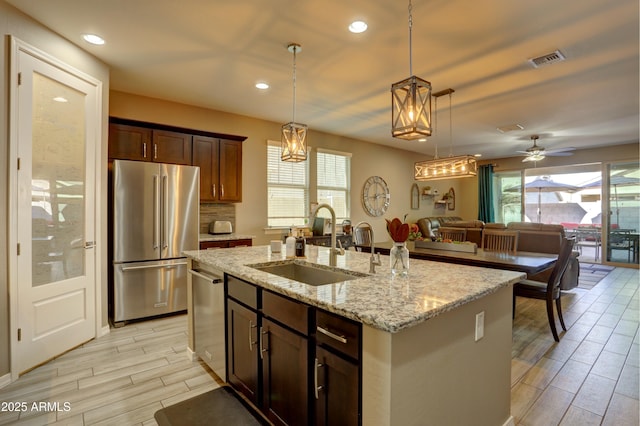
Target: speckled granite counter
{"points": [[381, 301], [225, 237]]}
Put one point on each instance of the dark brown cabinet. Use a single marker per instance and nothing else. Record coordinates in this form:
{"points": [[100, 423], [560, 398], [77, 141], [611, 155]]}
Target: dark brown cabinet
{"points": [[220, 162], [128, 142], [242, 350], [293, 375], [336, 387], [285, 386]]}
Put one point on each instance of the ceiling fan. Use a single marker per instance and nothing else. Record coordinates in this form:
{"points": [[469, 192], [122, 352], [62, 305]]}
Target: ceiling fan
{"points": [[537, 153]]}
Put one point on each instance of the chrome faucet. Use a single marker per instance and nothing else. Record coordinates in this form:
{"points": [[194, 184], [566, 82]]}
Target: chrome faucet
{"points": [[373, 260], [333, 250]]}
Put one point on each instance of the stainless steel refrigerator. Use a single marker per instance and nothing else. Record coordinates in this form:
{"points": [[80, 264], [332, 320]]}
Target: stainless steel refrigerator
{"points": [[155, 218]]}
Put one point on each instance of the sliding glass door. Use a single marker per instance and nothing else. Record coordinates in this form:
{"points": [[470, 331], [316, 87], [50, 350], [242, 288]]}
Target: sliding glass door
{"points": [[622, 186]]}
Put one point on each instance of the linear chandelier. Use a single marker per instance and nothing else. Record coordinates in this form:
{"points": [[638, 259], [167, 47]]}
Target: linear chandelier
{"points": [[411, 103], [449, 167], [294, 135]]}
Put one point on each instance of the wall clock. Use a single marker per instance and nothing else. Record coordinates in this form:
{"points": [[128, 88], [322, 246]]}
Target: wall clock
{"points": [[375, 196]]}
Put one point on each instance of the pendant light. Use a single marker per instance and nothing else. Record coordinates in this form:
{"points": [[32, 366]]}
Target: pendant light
{"points": [[450, 167], [411, 102], [294, 135]]}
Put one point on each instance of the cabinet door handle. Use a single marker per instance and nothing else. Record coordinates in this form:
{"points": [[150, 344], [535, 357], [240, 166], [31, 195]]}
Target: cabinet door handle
{"points": [[339, 338], [316, 388], [144, 150], [214, 190], [262, 350], [222, 190], [155, 151], [251, 341]]}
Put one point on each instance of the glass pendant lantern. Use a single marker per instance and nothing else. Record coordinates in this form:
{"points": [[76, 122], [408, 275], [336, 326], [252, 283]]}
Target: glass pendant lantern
{"points": [[294, 135]]}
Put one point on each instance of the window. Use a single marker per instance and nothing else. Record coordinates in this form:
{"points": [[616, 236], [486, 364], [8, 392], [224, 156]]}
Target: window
{"points": [[333, 182], [507, 196], [287, 189]]}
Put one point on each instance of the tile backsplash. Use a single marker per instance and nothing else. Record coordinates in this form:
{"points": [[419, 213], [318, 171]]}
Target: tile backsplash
{"points": [[210, 212]]}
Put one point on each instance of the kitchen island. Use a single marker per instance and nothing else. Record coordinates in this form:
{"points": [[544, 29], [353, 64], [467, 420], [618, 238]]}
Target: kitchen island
{"points": [[421, 362]]}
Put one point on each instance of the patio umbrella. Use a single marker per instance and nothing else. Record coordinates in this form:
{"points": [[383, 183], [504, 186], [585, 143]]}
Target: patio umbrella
{"points": [[544, 184], [615, 181]]}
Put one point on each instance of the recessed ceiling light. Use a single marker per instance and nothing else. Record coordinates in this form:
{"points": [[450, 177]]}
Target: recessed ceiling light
{"points": [[422, 140], [262, 85], [60, 99], [477, 155], [358, 27], [93, 39]]}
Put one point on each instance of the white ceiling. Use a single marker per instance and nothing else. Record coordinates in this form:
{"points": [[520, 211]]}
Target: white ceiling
{"points": [[210, 53]]}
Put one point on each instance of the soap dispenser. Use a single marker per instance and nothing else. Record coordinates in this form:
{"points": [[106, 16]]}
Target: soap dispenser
{"points": [[290, 243]]}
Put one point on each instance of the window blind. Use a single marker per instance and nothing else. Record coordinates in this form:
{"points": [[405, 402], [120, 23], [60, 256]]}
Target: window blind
{"points": [[333, 182], [287, 190]]}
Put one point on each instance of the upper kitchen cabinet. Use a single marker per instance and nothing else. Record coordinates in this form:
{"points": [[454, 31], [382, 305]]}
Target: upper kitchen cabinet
{"points": [[128, 142], [220, 162]]}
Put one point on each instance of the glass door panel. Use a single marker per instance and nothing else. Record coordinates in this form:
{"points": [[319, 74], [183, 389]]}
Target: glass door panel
{"points": [[57, 181], [623, 194]]}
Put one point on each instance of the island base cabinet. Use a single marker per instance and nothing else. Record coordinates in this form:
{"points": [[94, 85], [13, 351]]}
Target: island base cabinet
{"points": [[242, 350], [336, 390], [284, 375]]}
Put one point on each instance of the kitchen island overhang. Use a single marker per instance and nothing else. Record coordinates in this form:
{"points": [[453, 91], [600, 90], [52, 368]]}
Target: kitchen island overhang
{"points": [[420, 358]]}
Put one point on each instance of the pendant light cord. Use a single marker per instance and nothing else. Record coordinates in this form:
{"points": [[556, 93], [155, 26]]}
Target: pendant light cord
{"points": [[410, 27], [295, 48], [450, 128]]}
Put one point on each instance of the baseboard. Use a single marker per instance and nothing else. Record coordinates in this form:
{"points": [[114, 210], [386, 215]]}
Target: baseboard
{"points": [[510, 422], [5, 380], [191, 355], [104, 331]]}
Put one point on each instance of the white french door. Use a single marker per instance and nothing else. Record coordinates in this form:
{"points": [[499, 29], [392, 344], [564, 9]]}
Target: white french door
{"points": [[55, 121]]}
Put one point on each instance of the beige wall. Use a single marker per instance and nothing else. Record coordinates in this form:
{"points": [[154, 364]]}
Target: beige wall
{"points": [[13, 22], [395, 166]]}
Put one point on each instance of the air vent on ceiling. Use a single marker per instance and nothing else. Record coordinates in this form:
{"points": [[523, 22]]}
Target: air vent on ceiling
{"points": [[548, 59]]}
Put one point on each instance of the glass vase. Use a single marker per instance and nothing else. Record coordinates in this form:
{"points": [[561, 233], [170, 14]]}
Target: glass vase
{"points": [[399, 259]]}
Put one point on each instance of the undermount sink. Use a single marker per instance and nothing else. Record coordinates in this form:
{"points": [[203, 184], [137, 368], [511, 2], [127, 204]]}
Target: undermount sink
{"points": [[308, 273]]}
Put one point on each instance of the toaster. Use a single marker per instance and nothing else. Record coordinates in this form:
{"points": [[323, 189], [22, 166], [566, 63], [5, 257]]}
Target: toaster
{"points": [[220, 227]]}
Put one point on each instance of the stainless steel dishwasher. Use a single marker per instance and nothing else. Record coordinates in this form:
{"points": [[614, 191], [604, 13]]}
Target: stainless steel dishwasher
{"points": [[208, 319]]}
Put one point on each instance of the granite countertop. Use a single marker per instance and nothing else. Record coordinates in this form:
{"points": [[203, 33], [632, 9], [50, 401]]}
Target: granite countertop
{"points": [[225, 237], [379, 300]]}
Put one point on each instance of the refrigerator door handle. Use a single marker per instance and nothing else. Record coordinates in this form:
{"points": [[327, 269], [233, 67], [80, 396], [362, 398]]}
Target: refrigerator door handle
{"points": [[156, 211], [165, 212], [133, 268]]}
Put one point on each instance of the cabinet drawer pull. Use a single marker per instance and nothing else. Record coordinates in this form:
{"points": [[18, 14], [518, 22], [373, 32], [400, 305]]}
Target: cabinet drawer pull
{"points": [[316, 388], [251, 341], [339, 338], [262, 350]]}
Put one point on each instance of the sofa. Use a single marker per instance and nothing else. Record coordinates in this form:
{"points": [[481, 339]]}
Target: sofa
{"points": [[533, 237]]}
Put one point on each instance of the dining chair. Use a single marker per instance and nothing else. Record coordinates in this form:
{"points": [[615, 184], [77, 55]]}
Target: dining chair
{"points": [[500, 240], [550, 290], [453, 234], [362, 237], [621, 240]]}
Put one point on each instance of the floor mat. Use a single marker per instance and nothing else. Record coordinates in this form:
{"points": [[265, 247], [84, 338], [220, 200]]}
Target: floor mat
{"points": [[591, 274], [217, 407]]}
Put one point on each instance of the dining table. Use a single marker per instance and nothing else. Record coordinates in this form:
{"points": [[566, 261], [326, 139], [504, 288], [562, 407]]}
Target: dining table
{"points": [[528, 262]]}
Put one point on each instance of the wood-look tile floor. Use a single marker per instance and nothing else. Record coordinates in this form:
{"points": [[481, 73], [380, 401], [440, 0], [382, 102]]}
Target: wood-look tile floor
{"points": [[590, 377]]}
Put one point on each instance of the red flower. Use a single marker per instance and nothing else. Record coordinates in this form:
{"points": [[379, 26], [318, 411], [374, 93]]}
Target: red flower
{"points": [[398, 231]]}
